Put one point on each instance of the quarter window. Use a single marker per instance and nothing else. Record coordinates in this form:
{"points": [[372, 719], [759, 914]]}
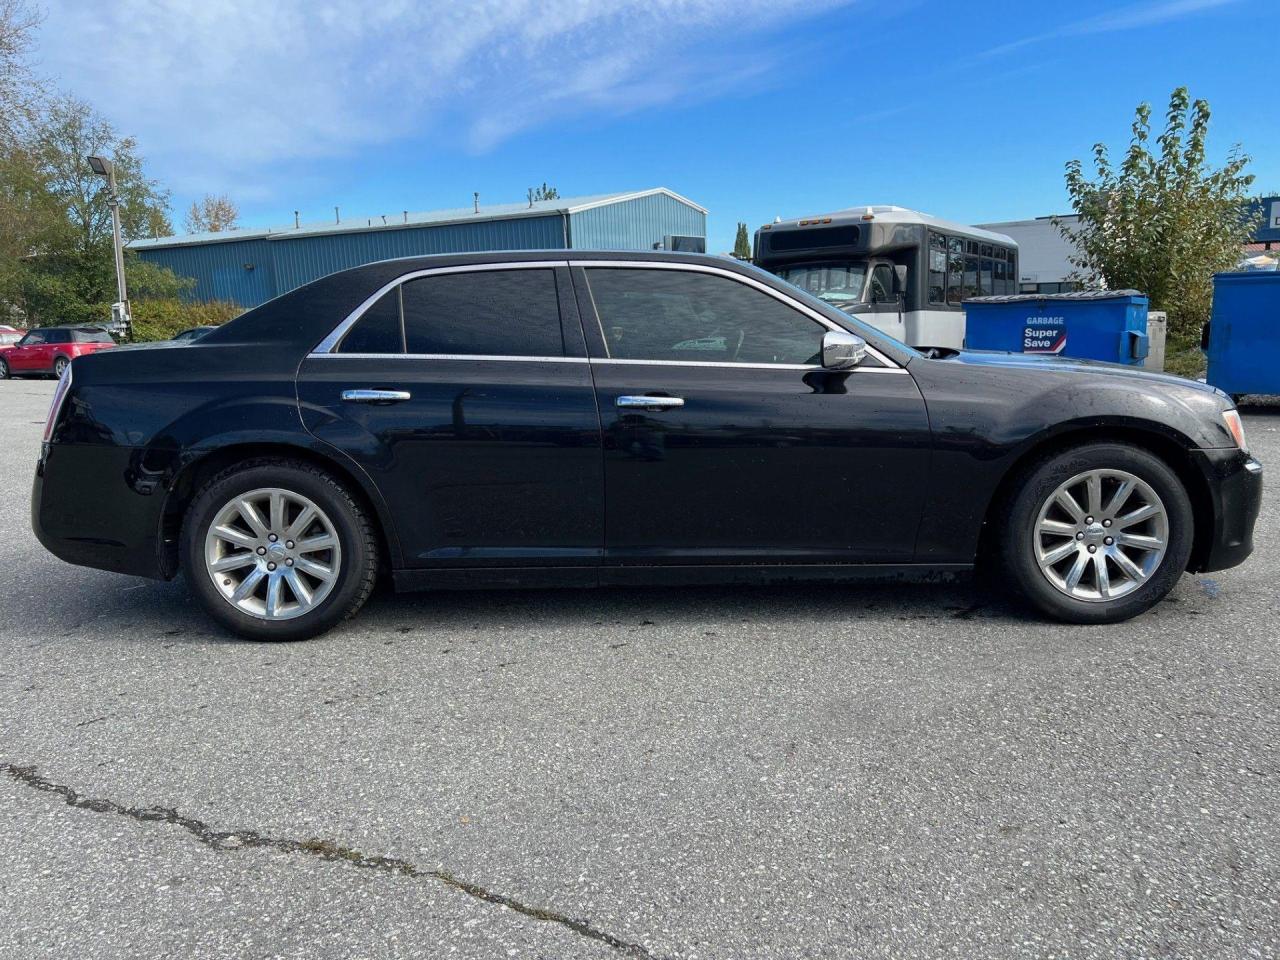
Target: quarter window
{"points": [[491, 312], [683, 315], [378, 329]]}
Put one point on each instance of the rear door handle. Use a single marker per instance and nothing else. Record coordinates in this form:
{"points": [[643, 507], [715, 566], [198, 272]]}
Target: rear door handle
{"points": [[375, 396], [650, 403]]}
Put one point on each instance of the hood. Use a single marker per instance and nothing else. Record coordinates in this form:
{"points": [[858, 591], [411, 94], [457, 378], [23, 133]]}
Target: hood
{"points": [[1053, 364]]}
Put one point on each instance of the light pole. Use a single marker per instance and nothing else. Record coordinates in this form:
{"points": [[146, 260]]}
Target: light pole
{"points": [[120, 309]]}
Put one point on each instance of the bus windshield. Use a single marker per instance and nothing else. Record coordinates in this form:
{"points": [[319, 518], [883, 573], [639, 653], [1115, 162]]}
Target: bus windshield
{"points": [[835, 283]]}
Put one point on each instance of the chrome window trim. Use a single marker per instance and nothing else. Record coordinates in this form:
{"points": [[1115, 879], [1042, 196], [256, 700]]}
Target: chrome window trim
{"points": [[446, 356], [746, 366], [330, 343], [889, 365], [647, 363]]}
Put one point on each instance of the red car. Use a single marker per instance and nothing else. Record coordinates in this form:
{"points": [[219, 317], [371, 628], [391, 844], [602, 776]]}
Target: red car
{"points": [[48, 350]]}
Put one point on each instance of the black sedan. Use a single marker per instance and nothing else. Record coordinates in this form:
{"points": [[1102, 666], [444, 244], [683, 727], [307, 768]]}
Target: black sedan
{"points": [[580, 419]]}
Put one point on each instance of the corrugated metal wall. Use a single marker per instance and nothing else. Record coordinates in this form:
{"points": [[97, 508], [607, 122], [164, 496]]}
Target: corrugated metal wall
{"points": [[307, 258], [250, 272], [241, 271], [634, 224]]}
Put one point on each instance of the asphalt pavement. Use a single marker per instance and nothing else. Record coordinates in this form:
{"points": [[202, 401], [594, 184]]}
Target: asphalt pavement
{"points": [[790, 772]]}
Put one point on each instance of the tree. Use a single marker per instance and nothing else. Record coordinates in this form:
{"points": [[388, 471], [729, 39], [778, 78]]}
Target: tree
{"points": [[1166, 220], [543, 192], [19, 93], [56, 264], [742, 243], [212, 214]]}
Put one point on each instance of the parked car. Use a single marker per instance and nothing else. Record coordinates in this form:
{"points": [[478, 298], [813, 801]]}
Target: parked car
{"points": [[50, 350], [10, 334], [532, 419]]}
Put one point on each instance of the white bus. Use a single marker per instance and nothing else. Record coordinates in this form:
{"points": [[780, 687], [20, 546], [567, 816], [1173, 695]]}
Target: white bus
{"points": [[901, 271]]}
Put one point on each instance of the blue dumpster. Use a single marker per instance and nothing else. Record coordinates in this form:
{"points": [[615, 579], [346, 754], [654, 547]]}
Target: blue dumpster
{"points": [[1244, 333], [1094, 324]]}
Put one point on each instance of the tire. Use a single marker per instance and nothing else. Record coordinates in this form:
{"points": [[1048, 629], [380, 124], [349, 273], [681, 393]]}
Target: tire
{"points": [[290, 598], [60, 367], [1140, 560], [4, 370]]}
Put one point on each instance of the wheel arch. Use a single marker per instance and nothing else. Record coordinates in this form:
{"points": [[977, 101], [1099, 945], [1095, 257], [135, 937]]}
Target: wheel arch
{"points": [[194, 473], [1168, 448]]}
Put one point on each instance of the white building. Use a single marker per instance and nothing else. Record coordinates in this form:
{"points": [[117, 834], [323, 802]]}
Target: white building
{"points": [[1043, 253]]}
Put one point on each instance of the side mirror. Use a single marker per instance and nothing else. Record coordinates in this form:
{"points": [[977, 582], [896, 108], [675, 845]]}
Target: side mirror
{"points": [[842, 351], [899, 278]]}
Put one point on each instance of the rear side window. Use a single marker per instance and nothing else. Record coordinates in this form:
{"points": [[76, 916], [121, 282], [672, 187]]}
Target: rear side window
{"points": [[491, 312], [92, 336], [58, 336], [378, 330]]}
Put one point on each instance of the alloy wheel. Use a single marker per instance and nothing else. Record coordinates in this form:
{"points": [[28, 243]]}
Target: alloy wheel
{"points": [[1101, 535], [60, 367], [272, 553]]}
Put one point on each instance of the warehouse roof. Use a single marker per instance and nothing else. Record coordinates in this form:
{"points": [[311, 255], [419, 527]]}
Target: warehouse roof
{"points": [[501, 211]]}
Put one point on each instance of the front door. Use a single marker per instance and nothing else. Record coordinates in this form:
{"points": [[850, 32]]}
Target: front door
{"points": [[460, 395], [33, 353], [725, 441]]}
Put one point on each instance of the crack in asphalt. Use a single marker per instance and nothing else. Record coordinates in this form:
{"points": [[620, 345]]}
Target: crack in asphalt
{"points": [[230, 840]]}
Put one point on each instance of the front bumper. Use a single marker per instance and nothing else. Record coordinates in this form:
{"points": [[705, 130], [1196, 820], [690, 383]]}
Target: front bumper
{"points": [[97, 506], [1234, 480]]}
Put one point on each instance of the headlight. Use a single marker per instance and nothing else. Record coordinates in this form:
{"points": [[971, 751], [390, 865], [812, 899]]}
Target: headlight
{"points": [[1236, 426]]}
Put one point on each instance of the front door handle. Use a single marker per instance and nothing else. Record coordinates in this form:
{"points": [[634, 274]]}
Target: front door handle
{"points": [[650, 403], [375, 396]]}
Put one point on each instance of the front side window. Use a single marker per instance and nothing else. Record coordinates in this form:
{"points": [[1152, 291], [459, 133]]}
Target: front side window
{"points": [[881, 283], [34, 339], [683, 315], [484, 313]]}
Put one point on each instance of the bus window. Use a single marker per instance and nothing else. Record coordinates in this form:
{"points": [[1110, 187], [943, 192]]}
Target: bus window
{"points": [[937, 268], [969, 288], [834, 282]]}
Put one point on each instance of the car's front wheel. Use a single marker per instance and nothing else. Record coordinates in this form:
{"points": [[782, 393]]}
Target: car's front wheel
{"points": [[1097, 533], [278, 550], [4, 370]]}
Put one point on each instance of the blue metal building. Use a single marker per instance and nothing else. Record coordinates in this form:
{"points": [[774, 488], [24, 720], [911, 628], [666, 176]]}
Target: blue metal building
{"points": [[248, 267]]}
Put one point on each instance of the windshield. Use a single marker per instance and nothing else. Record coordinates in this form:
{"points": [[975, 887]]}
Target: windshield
{"points": [[835, 283]]}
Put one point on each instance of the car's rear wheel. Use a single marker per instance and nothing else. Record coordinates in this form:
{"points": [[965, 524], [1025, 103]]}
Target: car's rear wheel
{"points": [[278, 550], [60, 366], [1097, 533]]}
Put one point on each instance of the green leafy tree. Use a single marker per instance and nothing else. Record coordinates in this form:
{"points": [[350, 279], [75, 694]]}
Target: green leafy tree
{"points": [[543, 192], [1165, 220], [56, 264], [742, 243], [19, 91]]}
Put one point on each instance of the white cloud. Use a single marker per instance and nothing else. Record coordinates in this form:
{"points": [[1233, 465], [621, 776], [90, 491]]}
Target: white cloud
{"points": [[1121, 18], [222, 88]]}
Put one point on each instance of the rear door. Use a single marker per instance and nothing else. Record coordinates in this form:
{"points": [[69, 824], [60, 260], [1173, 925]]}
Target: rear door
{"points": [[467, 398], [726, 442]]}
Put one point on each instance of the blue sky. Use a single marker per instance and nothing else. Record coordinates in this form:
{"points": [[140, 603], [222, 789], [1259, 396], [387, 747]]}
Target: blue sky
{"points": [[752, 109]]}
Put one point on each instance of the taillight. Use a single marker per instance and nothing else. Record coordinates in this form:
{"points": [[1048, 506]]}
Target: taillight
{"points": [[59, 395]]}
